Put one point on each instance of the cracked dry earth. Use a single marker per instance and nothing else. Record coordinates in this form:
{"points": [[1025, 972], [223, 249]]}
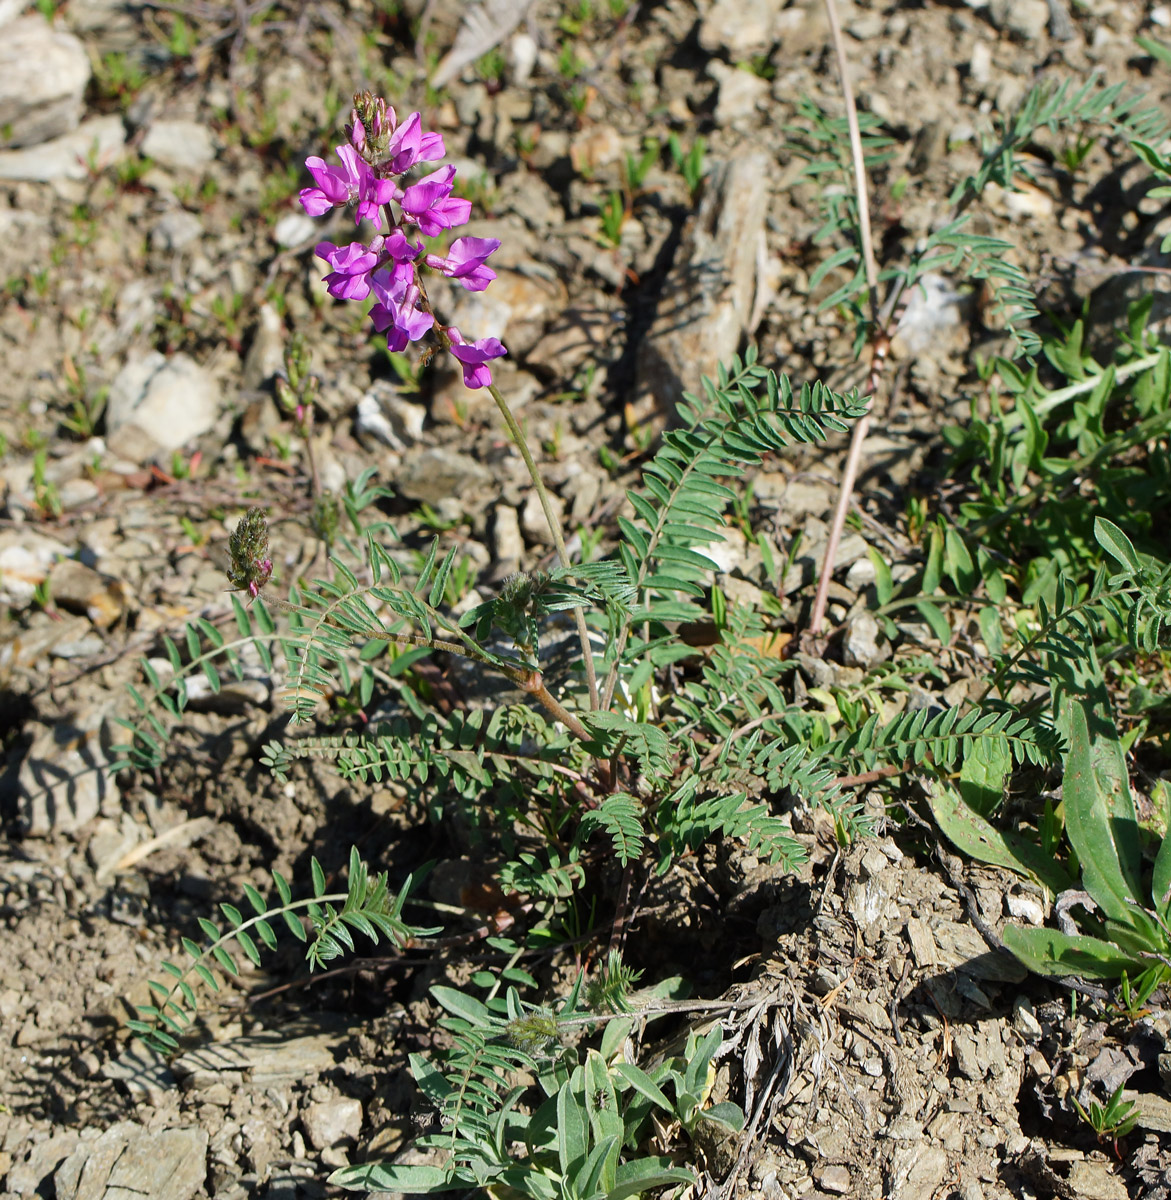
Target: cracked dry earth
{"points": [[152, 246]]}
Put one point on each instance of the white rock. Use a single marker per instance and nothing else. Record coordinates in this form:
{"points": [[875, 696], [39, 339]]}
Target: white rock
{"points": [[740, 28], [740, 94], [136, 308], [1025, 907], [43, 73], [328, 1122], [861, 575], [1025, 19], [384, 414], [294, 228], [157, 405], [860, 645], [11, 9], [522, 58], [532, 519], [76, 492], [179, 144], [980, 64], [266, 355], [507, 543], [407, 418], [1024, 1021], [176, 230], [97, 142], [935, 310], [25, 559]]}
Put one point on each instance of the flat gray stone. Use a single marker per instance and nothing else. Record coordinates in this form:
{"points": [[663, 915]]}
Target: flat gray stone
{"points": [[268, 1059], [43, 73], [710, 288], [142, 1072], [180, 144], [64, 781], [44, 1157], [331, 1122], [157, 405], [431, 476], [128, 1162], [94, 143]]}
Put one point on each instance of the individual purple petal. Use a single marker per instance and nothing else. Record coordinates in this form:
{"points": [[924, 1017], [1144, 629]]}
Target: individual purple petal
{"points": [[465, 262], [332, 188], [372, 195], [399, 247], [474, 357], [401, 325], [353, 166]]}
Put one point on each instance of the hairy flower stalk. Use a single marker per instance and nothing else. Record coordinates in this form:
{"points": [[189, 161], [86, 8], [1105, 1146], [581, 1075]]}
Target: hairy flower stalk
{"points": [[373, 178]]}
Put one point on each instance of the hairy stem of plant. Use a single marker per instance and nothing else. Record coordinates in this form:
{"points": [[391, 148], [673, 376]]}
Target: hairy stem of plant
{"points": [[533, 683], [858, 436], [310, 454], [518, 437]]}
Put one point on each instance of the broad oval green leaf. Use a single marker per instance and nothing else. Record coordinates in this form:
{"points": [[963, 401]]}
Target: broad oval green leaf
{"points": [[391, 1177], [1100, 829], [1051, 952], [1115, 543]]}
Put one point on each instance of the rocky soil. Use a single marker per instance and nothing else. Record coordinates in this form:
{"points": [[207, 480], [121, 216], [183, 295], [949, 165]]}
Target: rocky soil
{"points": [[155, 265]]}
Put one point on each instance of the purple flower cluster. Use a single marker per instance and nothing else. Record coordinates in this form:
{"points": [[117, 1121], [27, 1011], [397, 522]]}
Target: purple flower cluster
{"points": [[380, 152]]}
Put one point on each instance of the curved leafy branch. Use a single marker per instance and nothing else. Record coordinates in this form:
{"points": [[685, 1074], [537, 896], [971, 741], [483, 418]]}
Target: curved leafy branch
{"points": [[682, 502], [367, 907]]}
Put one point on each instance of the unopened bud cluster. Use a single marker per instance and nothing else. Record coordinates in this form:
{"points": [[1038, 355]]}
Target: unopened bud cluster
{"points": [[249, 567]]}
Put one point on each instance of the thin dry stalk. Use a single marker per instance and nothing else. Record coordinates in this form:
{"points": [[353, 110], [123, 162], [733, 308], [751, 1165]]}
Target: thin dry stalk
{"points": [[880, 342]]}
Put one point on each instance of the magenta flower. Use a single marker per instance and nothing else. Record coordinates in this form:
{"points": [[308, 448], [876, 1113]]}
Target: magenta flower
{"points": [[465, 262], [353, 181], [410, 144], [397, 313], [334, 186], [475, 356], [352, 265], [430, 204]]}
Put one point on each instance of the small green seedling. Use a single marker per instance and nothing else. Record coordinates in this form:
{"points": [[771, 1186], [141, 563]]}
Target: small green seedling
{"points": [[1111, 1121]]}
